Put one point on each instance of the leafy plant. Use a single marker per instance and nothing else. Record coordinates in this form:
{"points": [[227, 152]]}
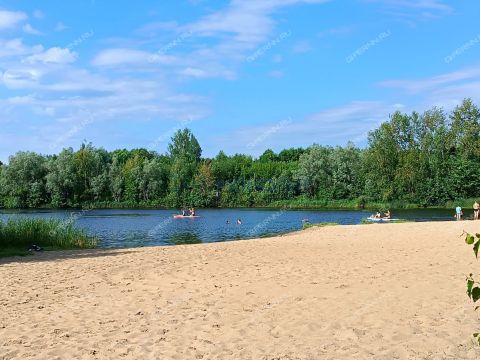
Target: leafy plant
{"points": [[473, 288]]}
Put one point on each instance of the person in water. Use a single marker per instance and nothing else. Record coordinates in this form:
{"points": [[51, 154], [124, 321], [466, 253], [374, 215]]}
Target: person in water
{"points": [[192, 212], [377, 215], [476, 210], [239, 222], [458, 213], [184, 213], [387, 215]]}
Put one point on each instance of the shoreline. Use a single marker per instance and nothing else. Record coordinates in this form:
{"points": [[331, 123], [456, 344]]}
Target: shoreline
{"points": [[351, 205], [22, 253], [349, 291]]}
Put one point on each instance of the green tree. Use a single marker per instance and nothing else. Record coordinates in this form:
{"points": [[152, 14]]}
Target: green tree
{"points": [[22, 180], [314, 171], [62, 179], [203, 192], [185, 153], [185, 146]]}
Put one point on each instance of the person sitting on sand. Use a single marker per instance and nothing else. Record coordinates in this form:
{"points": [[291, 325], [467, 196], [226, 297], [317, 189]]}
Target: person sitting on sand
{"points": [[387, 215], [458, 213], [476, 210]]}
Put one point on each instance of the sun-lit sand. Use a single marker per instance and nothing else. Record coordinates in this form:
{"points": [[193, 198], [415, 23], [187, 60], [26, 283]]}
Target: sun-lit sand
{"points": [[352, 292]]}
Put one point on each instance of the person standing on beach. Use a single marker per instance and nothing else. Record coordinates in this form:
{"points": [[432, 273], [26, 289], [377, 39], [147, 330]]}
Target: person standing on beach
{"points": [[458, 213], [476, 210]]}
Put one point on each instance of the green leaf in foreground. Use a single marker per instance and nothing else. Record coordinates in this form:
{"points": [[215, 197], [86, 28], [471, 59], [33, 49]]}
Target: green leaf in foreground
{"points": [[476, 294], [470, 239], [476, 247], [470, 284]]}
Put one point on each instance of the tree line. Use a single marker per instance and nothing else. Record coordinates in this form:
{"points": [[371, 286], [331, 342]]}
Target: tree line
{"points": [[423, 159]]}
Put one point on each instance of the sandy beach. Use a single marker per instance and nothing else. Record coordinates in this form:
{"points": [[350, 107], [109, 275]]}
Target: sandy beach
{"points": [[392, 291]]}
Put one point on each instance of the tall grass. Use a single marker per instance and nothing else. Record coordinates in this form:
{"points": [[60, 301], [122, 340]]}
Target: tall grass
{"points": [[324, 224], [22, 233]]}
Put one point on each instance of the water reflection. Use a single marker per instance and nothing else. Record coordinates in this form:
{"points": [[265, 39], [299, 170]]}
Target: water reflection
{"points": [[184, 238]]}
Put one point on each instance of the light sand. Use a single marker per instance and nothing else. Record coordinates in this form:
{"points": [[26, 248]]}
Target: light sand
{"points": [[353, 292]]}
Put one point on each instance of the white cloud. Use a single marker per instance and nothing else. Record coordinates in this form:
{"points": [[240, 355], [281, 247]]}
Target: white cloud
{"points": [[433, 83], [53, 55], [418, 4], [21, 78], [193, 72], [9, 19], [301, 47], [122, 56], [276, 74], [16, 47], [60, 27], [248, 21], [38, 14], [29, 29], [341, 30]]}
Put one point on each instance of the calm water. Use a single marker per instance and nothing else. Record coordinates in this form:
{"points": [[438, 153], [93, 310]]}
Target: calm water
{"points": [[131, 228]]}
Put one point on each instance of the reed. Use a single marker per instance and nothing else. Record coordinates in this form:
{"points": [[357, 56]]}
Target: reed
{"points": [[21, 233]]}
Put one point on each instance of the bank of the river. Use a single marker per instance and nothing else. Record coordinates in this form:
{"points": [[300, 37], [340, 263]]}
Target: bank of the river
{"points": [[393, 291], [299, 203]]}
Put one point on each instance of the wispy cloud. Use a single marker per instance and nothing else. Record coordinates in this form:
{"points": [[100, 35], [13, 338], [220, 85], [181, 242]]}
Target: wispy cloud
{"points": [[53, 55], [302, 47], [29, 29], [433, 83], [9, 19], [330, 126], [435, 5], [60, 27], [410, 11], [444, 90], [38, 14]]}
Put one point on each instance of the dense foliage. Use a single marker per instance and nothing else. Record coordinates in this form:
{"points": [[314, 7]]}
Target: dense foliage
{"points": [[423, 159]]}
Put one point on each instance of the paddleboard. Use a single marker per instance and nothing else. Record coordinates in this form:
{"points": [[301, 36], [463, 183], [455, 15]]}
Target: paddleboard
{"points": [[185, 216]]}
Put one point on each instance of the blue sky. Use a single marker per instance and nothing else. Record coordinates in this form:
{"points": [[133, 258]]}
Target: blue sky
{"points": [[244, 75]]}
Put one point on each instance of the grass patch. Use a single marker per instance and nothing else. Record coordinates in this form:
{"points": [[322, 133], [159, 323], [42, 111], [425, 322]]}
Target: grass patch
{"points": [[17, 235], [366, 222], [394, 221], [325, 224]]}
